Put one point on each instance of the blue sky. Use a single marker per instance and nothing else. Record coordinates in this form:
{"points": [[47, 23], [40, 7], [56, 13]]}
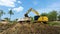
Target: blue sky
{"points": [[20, 7]]}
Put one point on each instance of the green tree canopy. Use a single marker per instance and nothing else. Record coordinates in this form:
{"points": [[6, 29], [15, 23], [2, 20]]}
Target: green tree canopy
{"points": [[52, 15], [44, 14]]}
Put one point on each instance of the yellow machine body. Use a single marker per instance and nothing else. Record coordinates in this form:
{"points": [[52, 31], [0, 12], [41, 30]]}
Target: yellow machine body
{"points": [[43, 19]]}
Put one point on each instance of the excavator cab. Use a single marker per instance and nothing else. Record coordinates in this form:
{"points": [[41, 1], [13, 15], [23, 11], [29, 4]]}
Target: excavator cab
{"points": [[26, 15], [36, 17]]}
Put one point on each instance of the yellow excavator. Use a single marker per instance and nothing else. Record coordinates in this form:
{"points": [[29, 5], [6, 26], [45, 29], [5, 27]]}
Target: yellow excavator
{"points": [[37, 18]]}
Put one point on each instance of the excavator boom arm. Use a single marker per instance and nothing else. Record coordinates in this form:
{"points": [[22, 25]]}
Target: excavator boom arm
{"points": [[26, 15]]}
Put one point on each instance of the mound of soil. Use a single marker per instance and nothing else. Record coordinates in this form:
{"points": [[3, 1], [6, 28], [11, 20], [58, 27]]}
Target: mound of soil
{"points": [[36, 28]]}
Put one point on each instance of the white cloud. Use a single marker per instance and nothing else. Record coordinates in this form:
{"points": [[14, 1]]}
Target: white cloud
{"points": [[20, 2], [8, 3], [18, 9], [53, 6]]}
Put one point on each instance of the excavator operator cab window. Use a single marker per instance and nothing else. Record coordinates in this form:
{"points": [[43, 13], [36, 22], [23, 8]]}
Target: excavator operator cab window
{"points": [[36, 17]]}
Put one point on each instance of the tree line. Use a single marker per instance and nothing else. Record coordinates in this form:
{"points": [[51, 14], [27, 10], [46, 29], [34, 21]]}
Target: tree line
{"points": [[52, 15], [3, 13]]}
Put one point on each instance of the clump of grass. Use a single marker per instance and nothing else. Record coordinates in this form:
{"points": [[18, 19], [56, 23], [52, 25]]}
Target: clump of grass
{"points": [[53, 23]]}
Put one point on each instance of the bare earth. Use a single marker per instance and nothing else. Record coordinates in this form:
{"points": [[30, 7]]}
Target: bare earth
{"points": [[36, 28]]}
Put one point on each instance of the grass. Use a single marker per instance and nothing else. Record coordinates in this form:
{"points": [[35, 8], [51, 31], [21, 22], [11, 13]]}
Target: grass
{"points": [[37, 28], [54, 23]]}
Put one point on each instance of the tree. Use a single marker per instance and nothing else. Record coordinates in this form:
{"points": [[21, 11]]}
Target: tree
{"points": [[7, 19], [52, 15], [11, 13], [59, 17], [1, 14], [44, 14]]}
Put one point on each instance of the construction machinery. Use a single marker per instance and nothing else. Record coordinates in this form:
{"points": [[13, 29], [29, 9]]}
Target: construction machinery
{"points": [[36, 18]]}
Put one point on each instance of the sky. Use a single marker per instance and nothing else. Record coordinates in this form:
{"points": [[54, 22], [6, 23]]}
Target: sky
{"points": [[20, 7]]}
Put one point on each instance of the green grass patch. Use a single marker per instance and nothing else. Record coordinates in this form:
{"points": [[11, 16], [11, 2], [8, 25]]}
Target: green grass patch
{"points": [[53, 23]]}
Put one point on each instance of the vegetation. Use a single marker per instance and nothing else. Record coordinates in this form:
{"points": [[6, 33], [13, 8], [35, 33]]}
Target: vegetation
{"points": [[1, 14], [11, 13], [5, 26], [44, 14], [59, 17], [7, 19], [52, 16], [53, 23], [36, 28]]}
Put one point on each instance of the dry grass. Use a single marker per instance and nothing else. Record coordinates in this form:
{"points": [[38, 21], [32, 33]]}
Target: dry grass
{"points": [[36, 28]]}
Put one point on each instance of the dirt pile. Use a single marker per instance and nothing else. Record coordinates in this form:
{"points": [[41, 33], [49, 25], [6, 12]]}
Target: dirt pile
{"points": [[36, 28]]}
